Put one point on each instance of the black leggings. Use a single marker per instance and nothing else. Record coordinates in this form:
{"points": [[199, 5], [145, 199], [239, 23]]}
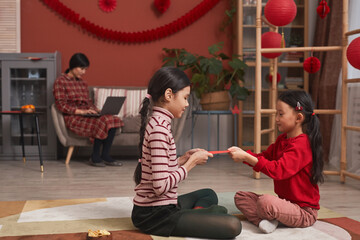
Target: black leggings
{"points": [[211, 221]]}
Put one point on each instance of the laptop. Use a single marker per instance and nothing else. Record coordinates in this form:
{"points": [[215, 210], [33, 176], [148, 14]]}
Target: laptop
{"points": [[111, 106]]}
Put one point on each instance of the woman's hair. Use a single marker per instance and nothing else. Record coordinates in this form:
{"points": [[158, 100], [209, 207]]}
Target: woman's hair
{"points": [[311, 126], [78, 60], [164, 78]]}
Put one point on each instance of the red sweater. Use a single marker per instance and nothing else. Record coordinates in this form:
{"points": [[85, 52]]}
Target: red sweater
{"points": [[289, 163]]}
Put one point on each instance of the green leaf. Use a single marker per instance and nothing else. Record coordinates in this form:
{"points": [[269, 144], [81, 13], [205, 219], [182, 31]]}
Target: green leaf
{"points": [[224, 56], [211, 65], [189, 59], [215, 48], [239, 92], [237, 64]]}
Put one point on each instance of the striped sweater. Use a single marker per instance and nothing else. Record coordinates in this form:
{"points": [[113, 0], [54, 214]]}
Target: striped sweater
{"points": [[161, 172]]}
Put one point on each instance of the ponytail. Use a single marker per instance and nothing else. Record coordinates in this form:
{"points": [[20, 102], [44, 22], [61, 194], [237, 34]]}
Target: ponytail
{"points": [[311, 127], [313, 131], [144, 113]]}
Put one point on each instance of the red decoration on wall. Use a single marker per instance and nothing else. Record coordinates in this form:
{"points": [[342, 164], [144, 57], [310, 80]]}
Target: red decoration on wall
{"points": [[133, 37], [280, 12], [323, 9], [107, 5], [312, 64], [235, 110], [271, 40], [162, 5], [353, 53]]}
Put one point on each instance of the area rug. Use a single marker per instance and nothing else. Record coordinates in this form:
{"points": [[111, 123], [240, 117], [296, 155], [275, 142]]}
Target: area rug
{"points": [[71, 219]]}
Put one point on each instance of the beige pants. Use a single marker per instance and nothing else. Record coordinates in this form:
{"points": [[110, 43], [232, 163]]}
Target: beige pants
{"points": [[258, 207]]}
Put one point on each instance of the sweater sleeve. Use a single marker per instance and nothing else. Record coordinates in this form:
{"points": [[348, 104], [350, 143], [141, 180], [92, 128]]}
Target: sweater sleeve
{"points": [[60, 94], [163, 179], [295, 157]]}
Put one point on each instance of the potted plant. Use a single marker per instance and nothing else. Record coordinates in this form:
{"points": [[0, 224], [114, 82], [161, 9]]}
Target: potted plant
{"points": [[212, 77]]}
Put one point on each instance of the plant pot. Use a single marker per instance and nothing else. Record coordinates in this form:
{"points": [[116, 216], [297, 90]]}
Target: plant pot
{"points": [[215, 101]]}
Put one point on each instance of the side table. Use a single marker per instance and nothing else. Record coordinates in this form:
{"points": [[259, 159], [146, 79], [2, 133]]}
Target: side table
{"points": [[36, 119], [209, 113]]}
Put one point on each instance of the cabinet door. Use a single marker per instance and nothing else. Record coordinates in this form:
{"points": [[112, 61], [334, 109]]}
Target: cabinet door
{"points": [[25, 82]]}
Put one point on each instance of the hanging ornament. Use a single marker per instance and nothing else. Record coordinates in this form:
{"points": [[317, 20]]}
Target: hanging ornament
{"points": [[162, 5], [312, 64], [271, 40], [323, 9], [107, 5], [353, 53], [280, 12], [269, 77]]}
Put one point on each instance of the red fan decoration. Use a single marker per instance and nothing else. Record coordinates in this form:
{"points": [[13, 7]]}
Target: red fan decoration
{"points": [[269, 77], [280, 12], [353, 53], [312, 64], [107, 5], [323, 9], [162, 5], [271, 40], [235, 110]]}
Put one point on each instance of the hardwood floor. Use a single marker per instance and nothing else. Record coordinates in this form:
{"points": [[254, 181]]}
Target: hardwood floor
{"points": [[79, 180]]}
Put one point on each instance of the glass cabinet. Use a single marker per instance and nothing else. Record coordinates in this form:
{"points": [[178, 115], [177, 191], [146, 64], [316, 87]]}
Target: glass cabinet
{"points": [[27, 78]]}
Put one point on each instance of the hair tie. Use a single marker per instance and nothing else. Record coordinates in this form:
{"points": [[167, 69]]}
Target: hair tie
{"points": [[298, 107], [313, 114], [139, 160], [148, 96]]}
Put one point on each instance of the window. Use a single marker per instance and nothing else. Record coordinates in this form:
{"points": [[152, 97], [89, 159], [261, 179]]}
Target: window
{"points": [[9, 26]]}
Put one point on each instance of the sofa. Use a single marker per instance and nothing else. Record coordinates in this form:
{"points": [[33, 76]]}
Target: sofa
{"points": [[128, 135]]}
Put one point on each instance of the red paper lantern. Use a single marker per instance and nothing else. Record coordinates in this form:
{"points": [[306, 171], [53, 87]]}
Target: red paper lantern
{"points": [[271, 40], [312, 64], [353, 53], [280, 12], [269, 77], [323, 9]]}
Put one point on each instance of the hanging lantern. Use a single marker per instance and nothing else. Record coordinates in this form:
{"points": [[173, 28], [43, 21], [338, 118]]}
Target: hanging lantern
{"points": [[323, 9], [353, 53], [269, 77], [271, 40], [280, 12], [312, 64]]}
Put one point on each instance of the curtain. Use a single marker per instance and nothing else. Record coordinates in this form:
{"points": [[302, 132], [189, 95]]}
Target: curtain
{"points": [[328, 32], [353, 114]]}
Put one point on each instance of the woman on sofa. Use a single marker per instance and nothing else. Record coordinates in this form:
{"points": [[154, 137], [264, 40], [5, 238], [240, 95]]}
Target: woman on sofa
{"points": [[72, 98]]}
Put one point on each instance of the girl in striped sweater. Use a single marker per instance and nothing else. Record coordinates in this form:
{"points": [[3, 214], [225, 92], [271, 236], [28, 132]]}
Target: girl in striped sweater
{"points": [[158, 209]]}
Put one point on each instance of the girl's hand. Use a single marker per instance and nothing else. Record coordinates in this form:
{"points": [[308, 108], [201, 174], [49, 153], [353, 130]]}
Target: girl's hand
{"points": [[197, 158], [183, 159], [239, 155]]}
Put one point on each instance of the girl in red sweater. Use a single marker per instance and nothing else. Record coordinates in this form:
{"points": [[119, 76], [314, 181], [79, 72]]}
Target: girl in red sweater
{"points": [[295, 164]]}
